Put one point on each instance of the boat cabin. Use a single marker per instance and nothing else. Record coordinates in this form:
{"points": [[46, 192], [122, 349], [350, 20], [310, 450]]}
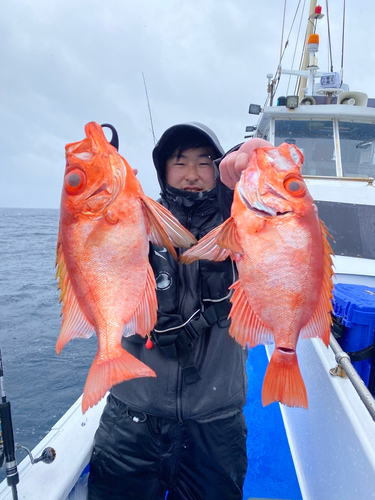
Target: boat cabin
{"points": [[338, 144]]}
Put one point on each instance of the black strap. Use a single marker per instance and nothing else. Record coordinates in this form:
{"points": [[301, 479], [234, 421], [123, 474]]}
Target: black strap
{"points": [[177, 345], [361, 355], [337, 327]]}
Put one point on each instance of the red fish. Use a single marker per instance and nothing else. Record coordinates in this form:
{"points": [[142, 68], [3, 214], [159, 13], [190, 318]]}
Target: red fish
{"points": [[284, 264], [107, 284]]}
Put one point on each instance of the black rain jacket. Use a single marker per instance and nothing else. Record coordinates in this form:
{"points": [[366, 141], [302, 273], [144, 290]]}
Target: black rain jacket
{"points": [[184, 293]]}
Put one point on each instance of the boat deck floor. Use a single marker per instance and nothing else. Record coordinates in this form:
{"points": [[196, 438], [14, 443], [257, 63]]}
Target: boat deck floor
{"points": [[271, 473]]}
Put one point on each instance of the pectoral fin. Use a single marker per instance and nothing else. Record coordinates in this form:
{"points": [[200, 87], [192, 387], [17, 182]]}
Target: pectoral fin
{"points": [[144, 317], [164, 228], [246, 327], [217, 245]]}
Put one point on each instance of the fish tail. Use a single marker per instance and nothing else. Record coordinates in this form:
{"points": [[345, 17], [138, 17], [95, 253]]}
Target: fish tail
{"points": [[103, 375], [283, 380]]}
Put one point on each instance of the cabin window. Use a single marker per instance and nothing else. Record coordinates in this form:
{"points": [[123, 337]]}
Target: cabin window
{"points": [[357, 143], [314, 139]]}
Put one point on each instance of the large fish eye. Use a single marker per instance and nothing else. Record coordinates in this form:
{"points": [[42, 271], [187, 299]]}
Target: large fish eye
{"points": [[295, 186], [75, 181]]}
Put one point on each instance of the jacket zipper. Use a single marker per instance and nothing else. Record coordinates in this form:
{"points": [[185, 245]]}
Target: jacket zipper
{"points": [[179, 376]]}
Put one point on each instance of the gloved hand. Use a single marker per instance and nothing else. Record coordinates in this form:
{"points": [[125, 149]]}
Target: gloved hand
{"points": [[232, 165]]}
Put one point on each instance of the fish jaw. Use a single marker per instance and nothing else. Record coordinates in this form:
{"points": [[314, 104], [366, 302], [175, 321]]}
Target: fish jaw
{"points": [[272, 184]]}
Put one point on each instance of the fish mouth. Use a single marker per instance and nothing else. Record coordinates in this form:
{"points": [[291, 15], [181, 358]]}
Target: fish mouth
{"points": [[254, 202], [108, 192], [102, 188], [262, 210], [267, 214]]}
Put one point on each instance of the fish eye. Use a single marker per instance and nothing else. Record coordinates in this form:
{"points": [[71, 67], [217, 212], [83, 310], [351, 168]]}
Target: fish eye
{"points": [[75, 181], [295, 186]]}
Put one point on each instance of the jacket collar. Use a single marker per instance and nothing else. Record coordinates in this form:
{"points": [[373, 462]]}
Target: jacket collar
{"points": [[185, 200]]}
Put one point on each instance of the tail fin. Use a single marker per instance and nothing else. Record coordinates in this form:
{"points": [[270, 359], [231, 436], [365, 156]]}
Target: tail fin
{"points": [[102, 376], [283, 381]]}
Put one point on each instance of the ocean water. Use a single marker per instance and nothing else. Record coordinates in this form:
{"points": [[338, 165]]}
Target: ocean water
{"points": [[40, 385]]}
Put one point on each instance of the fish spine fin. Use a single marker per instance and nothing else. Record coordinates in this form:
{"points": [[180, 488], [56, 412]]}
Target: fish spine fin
{"points": [[164, 229], [217, 245], [145, 316], [74, 323], [283, 381], [104, 375], [320, 323], [246, 327]]}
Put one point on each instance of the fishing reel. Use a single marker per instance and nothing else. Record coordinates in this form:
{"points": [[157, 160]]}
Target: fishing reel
{"points": [[47, 457]]}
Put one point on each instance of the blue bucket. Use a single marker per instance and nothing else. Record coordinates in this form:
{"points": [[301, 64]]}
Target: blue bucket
{"points": [[354, 327]]}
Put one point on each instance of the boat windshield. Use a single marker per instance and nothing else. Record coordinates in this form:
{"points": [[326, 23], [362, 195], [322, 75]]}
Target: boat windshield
{"points": [[314, 139], [357, 141]]}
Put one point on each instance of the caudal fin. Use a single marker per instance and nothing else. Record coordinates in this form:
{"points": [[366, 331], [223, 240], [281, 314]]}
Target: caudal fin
{"points": [[283, 380], [102, 376]]}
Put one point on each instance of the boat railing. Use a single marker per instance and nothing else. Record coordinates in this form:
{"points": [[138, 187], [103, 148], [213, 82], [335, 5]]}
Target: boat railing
{"points": [[343, 361], [369, 180]]}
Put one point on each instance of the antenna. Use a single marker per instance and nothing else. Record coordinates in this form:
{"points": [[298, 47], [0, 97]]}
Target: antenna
{"points": [[149, 109]]}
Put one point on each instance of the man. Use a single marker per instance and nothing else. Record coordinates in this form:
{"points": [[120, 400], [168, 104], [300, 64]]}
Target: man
{"points": [[183, 431]]}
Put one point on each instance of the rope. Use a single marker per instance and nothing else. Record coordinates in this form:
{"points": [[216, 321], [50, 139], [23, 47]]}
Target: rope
{"points": [[287, 40], [295, 48], [282, 51], [282, 33]]}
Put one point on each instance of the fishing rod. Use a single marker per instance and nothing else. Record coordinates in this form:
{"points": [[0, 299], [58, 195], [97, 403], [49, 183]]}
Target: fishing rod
{"points": [[149, 109], [7, 446], [8, 451]]}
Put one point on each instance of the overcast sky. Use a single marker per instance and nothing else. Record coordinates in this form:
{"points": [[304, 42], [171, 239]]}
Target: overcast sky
{"points": [[65, 63]]}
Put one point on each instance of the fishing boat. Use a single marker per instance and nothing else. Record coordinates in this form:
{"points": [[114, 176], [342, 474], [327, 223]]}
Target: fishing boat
{"points": [[327, 451]]}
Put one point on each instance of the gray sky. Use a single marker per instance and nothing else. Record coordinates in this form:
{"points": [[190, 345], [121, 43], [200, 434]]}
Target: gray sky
{"points": [[65, 63]]}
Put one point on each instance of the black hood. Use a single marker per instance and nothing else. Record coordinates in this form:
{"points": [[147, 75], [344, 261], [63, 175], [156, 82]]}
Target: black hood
{"points": [[201, 130]]}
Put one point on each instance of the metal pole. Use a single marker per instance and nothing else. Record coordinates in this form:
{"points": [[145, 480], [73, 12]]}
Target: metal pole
{"points": [[8, 438], [343, 359], [306, 56]]}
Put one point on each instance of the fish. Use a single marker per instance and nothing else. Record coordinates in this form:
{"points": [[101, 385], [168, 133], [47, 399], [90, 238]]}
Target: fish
{"points": [[284, 263], [106, 281]]}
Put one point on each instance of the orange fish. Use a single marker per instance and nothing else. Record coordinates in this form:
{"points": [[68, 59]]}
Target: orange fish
{"points": [[107, 284], [284, 264]]}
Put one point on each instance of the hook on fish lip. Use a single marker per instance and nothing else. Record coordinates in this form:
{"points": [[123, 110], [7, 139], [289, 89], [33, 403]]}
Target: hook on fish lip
{"points": [[114, 141]]}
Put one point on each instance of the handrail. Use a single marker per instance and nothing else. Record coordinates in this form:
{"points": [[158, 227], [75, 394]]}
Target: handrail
{"points": [[343, 359], [369, 180]]}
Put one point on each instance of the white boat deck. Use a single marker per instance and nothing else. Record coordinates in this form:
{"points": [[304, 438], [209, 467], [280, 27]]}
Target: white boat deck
{"points": [[72, 438]]}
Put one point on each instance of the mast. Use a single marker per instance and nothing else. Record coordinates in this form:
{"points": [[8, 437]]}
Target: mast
{"points": [[305, 62]]}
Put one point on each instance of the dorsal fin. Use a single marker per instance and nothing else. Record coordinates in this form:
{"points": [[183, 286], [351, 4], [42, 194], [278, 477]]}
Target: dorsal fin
{"points": [[319, 324]]}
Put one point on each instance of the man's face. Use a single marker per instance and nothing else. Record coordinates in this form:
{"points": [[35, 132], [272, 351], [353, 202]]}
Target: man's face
{"points": [[193, 171]]}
